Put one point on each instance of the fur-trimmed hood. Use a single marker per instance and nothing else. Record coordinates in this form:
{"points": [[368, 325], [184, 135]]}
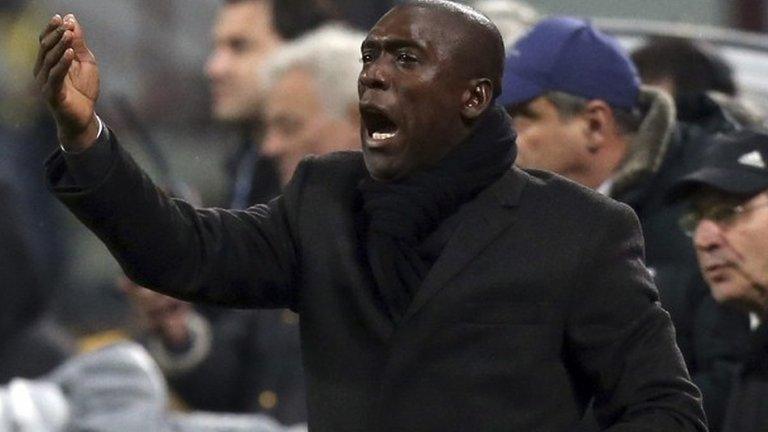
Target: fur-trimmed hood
{"points": [[649, 145]]}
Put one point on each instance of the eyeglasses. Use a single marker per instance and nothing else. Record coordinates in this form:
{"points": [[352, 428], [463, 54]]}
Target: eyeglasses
{"points": [[722, 214]]}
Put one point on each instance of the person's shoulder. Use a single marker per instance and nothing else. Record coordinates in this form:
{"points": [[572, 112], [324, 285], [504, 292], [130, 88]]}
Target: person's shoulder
{"points": [[333, 172], [564, 206], [552, 190], [352, 159], [334, 164]]}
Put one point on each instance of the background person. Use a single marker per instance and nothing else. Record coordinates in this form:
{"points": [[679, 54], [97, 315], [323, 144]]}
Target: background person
{"points": [[579, 111], [728, 220], [310, 107], [698, 78], [310, 98]]}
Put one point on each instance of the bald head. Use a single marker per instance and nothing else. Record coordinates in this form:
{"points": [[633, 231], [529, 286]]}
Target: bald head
{"points": [[475, 43]]}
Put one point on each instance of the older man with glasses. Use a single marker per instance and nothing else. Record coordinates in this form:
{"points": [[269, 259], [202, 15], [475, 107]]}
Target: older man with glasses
{"points": [[728, 221]]}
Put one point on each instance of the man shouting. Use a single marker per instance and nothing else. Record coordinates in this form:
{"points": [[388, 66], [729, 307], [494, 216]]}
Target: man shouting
{"points": [[439, 289]]}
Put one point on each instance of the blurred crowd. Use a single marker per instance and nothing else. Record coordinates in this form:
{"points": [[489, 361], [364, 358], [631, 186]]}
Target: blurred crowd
{"points": [[84, 348]]}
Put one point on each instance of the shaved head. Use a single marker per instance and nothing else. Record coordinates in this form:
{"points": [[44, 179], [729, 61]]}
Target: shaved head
{"points": [[476, 43]]}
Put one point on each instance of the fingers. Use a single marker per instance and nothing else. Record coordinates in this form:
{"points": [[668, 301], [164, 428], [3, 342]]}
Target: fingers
{"points": [[48, 38], [59, 70], [56, 64], [78, 41], [54, 22]]}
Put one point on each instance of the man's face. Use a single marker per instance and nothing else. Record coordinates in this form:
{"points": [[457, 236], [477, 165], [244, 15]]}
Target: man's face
{"points": [[410, 93], [733, 253], [547, 140], [298, 124], [244, 36]]}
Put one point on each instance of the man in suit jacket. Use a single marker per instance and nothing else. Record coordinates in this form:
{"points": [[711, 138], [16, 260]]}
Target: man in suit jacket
{"points": [[438, 289]]}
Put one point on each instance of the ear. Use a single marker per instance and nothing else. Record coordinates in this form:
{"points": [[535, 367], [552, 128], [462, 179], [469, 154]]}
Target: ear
{"points": [[476, 98], [600, 126]]}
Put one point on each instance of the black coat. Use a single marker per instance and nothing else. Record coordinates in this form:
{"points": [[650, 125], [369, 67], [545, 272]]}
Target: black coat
{"points": [[748, 406], [712, 337], [539, 301]]}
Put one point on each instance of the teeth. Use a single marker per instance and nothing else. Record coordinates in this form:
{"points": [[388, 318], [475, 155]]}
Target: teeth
{"points": [[383, 135]]}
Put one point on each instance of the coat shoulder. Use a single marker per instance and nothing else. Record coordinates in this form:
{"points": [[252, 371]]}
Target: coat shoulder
{"points": [[350, 160], [336, 166], [558, 195], [331, 176]]}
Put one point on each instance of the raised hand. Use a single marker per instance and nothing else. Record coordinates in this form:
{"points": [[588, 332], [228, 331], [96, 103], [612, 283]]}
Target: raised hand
{"points": [[67, 75]]}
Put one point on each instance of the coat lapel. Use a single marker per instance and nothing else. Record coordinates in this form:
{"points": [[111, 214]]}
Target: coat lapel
{"points": [[481, 221]]}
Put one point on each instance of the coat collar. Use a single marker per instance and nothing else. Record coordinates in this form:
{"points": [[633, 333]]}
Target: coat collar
{"points": [[649, 145], [481, 221]]}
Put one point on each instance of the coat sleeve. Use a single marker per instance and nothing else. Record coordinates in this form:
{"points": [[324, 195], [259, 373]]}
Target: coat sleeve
{"points": [[236, 258], [622, 342]]}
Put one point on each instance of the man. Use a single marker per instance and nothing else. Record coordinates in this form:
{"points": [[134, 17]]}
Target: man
{"points": [[437, 288], [579, 111], [693, 74], [245, 35], [728, 220], [684, 67], [310, 99], [310, 107]]}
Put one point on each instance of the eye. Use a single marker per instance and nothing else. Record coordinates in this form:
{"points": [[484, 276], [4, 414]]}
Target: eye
{"points": [[405, 57], [239, 46], [366, 57]]}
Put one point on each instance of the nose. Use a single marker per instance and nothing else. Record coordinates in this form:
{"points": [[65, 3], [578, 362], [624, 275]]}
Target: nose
{"points": [[215, 66], [708, 236], [272, 146], [374, 76]]}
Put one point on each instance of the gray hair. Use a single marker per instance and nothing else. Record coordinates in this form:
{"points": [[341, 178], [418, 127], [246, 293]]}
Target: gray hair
{"points": [[513, 18], [331, 54], [568, 106]]}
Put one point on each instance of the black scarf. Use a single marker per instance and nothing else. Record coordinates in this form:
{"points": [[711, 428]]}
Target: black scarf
{"points": [[402, 214]]}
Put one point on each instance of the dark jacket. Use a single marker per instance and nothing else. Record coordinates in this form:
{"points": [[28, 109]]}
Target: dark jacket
{"points": [[30, 343], [539, 301], [712, 338], [748, 407]]}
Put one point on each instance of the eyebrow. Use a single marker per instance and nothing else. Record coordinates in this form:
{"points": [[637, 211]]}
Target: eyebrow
{"points": [[391, 44]]}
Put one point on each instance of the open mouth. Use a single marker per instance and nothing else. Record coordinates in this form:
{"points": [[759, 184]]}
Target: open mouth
{"points": [[378, 124]]}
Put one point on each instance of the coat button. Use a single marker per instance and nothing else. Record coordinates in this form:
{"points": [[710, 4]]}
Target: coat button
{"points": [[267, 399]]}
